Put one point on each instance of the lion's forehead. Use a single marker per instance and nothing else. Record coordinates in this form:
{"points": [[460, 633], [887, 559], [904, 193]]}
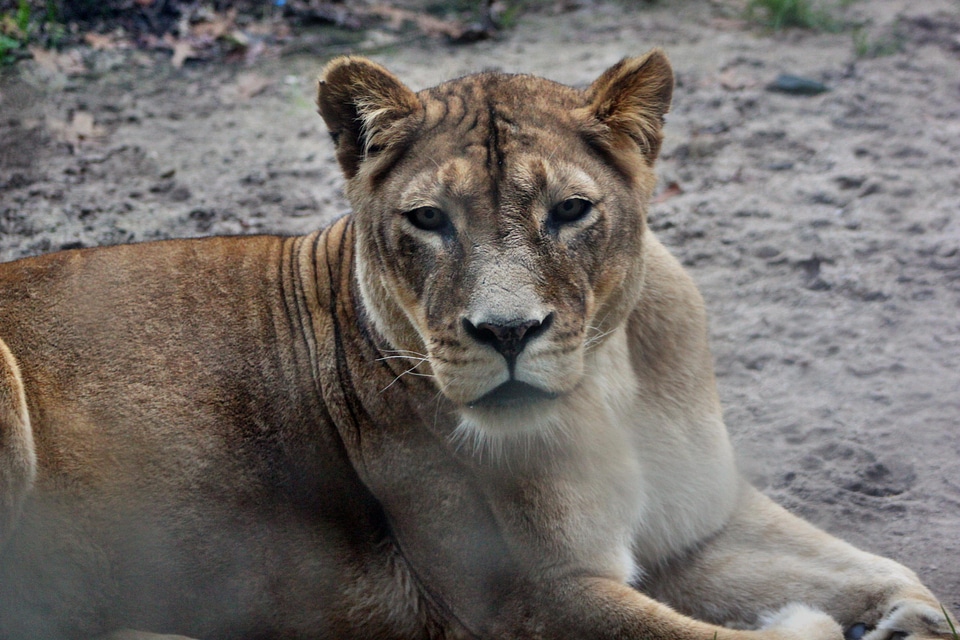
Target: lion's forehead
{"points": [[494, 114], [494, 142], [531, 179], [512, 95]]}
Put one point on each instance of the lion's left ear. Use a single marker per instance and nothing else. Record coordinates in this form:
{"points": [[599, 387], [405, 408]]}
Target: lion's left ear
{"points": [[630, 99], [361, 102]]}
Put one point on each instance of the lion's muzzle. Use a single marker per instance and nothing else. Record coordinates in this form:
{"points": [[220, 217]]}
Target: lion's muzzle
{"points": [[510, 337]]}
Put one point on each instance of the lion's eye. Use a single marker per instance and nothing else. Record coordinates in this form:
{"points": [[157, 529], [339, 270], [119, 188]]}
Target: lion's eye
{"points": [[570, 210], [427, 218]]}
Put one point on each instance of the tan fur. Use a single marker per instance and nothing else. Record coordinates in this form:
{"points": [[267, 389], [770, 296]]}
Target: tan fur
{"points": [[308, 438]]}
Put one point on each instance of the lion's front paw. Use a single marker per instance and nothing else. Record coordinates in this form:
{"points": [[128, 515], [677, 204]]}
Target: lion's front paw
{"points": [[912, 620], [801, 622]]}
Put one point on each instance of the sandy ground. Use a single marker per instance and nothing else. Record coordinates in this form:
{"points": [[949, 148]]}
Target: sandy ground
{"points": [[824, 231]]}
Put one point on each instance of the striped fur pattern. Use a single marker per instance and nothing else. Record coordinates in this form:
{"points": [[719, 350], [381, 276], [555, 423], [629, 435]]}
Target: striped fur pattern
{"points": [[480, 406]]}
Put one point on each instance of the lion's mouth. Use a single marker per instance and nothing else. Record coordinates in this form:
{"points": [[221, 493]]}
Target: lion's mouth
{"points": [[512, 393]]}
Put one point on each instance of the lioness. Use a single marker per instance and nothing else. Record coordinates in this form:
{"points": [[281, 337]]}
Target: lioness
{"points": [[481, 406]]}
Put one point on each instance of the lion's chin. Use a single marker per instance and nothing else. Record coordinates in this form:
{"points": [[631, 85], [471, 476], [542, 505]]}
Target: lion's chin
{"points": [[512, 394], [514, 414]]}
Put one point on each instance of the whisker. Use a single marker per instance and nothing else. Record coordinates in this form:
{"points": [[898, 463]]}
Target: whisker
{"points": [[404, 353], [420, 358], [592, 340], [411, 372]]}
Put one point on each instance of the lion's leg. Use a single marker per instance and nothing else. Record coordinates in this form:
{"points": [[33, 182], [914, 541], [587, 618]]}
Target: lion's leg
{"points": [[767, 558], [18, 458], [599, 608]]}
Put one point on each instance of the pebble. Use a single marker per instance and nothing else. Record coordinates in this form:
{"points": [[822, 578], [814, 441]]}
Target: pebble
{"points": [[797, 86]]}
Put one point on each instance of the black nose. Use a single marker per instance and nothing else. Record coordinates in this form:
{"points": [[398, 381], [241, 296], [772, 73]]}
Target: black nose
{"points": [[509, 338]]}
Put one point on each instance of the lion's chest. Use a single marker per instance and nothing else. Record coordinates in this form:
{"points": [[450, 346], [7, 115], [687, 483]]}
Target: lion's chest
{"points": [[626, 488], [600, 487]]}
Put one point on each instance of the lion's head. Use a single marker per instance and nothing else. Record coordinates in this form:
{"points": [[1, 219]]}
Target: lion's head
{"points": [[499, 220]]}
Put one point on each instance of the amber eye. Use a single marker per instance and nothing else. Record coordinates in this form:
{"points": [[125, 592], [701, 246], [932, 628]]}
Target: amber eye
{"points": [[570, 210], [427, 218]]}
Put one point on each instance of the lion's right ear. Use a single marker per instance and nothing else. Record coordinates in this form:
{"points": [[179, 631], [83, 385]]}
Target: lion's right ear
{"points": [[362, 103], [629, 101]]}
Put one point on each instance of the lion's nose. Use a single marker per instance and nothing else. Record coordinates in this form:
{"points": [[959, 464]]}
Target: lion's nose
{"points": [[508, 337]]}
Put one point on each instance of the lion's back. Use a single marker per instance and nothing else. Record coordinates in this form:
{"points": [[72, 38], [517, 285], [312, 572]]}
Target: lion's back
{"points": [[181, 448]]}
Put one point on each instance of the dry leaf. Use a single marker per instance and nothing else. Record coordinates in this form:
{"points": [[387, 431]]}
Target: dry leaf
{"points": [[81, 128], [84, 126], [436, 27], [99, 42], [216, 27], [673, 189], [181, 51], [730, 81], [250, 84], [45, 59], [426, 23], [70, 62]]}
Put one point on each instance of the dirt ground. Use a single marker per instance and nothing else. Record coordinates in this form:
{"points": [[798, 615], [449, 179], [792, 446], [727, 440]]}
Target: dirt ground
{"points": [[824, 230]]}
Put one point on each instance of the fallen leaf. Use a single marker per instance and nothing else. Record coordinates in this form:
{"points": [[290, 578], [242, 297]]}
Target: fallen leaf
{"points": [[70, 62], [730, 81], [426, 23], [216, 27], [181, 51], [251, 84], [81, 128], [45, 59], [271, 29], [84, 126], [99, 42], [673, 189], [437, 27]]}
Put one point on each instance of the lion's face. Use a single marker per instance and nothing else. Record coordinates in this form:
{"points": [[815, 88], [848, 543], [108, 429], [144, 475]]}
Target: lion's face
{"points": [[499, 222]]}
